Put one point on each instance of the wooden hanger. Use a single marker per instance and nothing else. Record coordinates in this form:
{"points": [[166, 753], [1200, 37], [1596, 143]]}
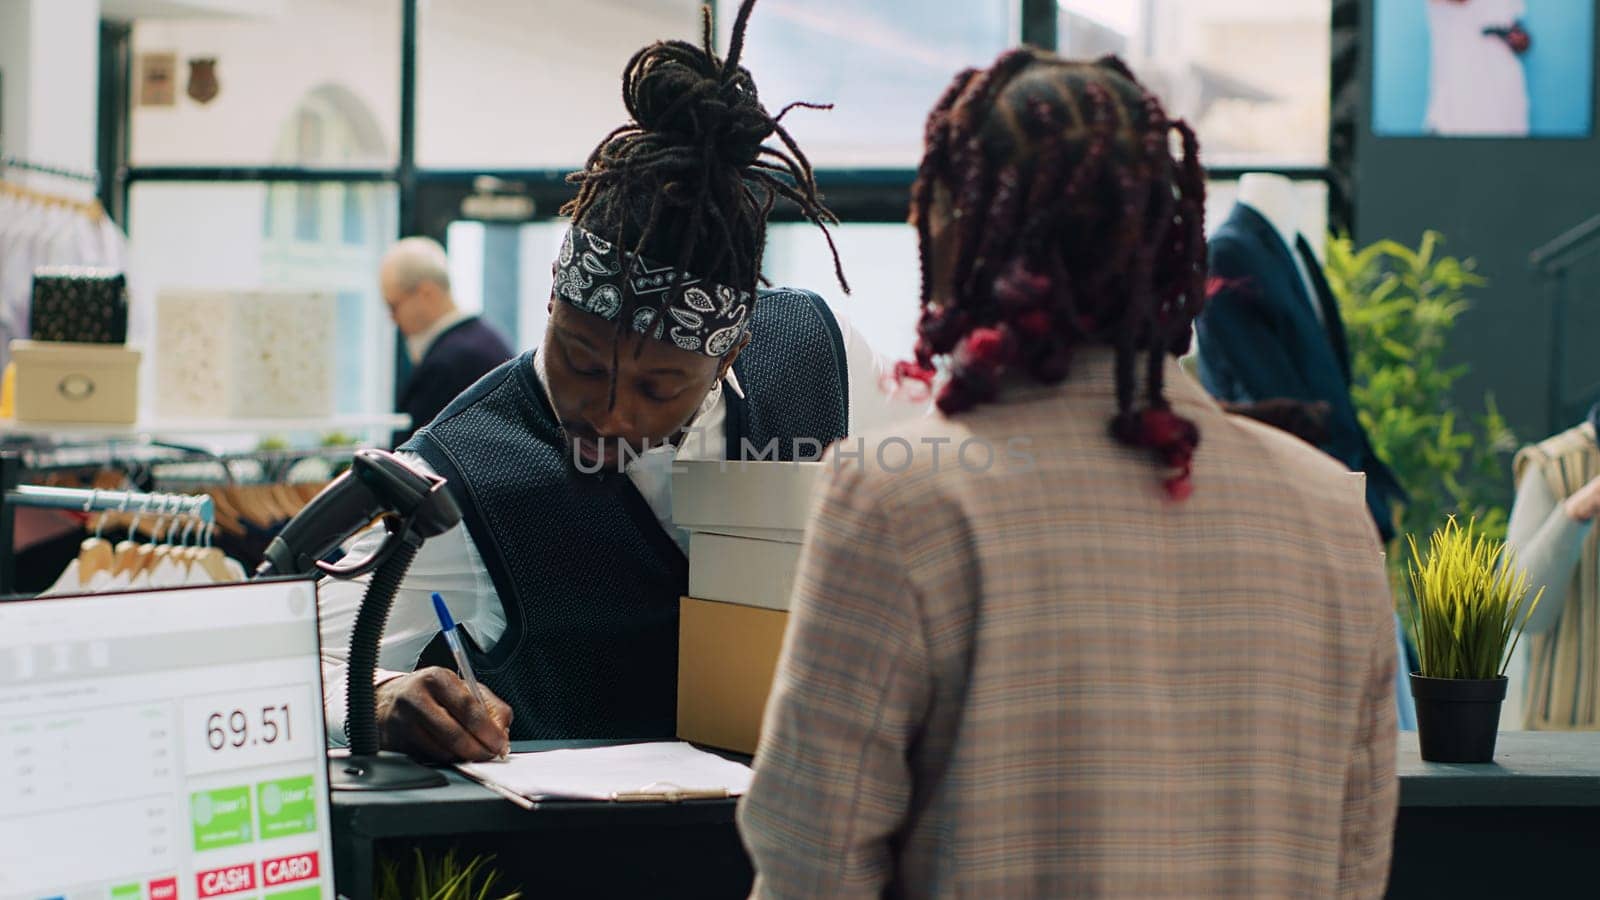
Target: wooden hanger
{"points": [[212, 560], [187, 554], [94, 554], [226, 515], [150, 555], [88, 208], [126, 555], [289, 500], [251, 504], [164, 550]]}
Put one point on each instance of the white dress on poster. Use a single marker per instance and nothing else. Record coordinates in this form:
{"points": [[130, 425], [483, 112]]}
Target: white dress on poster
{"points": [[1478, 86]]}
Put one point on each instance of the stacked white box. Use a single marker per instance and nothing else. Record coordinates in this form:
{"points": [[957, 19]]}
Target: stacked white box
{"points": [[746, 522], [244, 354]]}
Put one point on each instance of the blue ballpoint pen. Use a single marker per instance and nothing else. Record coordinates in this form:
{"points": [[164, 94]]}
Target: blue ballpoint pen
{"points": [[448, 626]]}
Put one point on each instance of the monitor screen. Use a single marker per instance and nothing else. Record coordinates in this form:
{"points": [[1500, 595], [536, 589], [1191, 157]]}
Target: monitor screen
{"points": [[164, 744]]}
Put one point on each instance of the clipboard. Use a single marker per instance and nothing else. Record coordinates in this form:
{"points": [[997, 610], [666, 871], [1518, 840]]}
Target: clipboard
{"points": [[653, 772], [666, 792]]}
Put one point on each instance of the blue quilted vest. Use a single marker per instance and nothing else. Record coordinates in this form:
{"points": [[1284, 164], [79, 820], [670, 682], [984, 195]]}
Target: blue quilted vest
{"points": [[589, 580]]}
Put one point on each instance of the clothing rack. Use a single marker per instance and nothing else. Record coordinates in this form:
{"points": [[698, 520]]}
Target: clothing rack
{"points": [[87, 500], [148, 454], [8, 163], [141, 461], [192, 506]]}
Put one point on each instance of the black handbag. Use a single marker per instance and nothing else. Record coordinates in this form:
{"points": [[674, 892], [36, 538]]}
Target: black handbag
{"points": [[79, 305]]}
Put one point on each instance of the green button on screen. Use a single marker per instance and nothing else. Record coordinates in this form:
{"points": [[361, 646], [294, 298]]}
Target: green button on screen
{"points": [[221, 818], [286, 807]]}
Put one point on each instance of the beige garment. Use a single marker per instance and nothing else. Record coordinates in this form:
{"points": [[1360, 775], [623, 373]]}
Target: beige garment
{"points": [[1562, 690], [1050, 680]]}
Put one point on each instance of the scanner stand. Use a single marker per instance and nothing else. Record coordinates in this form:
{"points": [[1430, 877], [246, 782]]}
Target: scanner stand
{"points": [[415, 506]]}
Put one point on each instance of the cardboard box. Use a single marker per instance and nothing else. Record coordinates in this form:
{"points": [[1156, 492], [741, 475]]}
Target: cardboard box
{"points": [[727, 656], [244, 354], [87, 383], [768, 500], [747, 571]]}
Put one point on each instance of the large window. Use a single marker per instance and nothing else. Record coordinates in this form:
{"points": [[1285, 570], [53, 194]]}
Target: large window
{"points": [[882, 64], [300, 171], [1252, 76], [529, 83]]}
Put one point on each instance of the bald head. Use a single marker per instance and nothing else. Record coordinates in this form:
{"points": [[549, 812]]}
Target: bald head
{"points": [[415, 280]]}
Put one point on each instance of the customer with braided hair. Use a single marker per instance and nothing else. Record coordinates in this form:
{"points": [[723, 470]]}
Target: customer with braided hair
{"points": [[660, 346], [1150, 654]]}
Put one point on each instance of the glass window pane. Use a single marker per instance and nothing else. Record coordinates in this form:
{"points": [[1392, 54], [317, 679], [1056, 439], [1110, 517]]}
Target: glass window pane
{"points": [[1252, 76], [883, 64], [218, 236], [881, 262], [530, 83], [313, 82]]}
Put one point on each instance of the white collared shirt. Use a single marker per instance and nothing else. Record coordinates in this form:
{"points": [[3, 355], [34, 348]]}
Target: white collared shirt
{"points": [[418, 345], [451, 565]]}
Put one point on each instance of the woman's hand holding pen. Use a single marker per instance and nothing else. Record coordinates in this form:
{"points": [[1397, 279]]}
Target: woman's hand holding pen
{"points": [[432, 715]]}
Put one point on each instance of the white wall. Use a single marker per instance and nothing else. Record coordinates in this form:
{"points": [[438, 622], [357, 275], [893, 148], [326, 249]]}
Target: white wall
{"points": [[265, 67], [14, 36], [501, 83], [49, 57]]}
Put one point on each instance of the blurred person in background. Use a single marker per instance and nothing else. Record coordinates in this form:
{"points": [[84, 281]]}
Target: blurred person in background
{"points": [[449, 349], [1552, 532]]}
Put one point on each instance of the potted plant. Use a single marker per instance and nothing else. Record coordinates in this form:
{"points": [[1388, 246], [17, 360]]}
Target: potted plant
{"points": [[1471, 607], [439, 878]]}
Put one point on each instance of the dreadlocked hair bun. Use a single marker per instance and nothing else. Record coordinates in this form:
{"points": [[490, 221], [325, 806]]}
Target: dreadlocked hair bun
{"points": [[681, 96], [1071, 222], [691, 178]]}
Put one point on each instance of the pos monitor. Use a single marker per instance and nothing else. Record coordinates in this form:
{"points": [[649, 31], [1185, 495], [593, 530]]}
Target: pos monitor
{"points": [[164, 744]]}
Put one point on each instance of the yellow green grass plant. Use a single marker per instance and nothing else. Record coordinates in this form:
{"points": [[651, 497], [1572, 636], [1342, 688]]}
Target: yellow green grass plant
{"points": [[1472, 603]]}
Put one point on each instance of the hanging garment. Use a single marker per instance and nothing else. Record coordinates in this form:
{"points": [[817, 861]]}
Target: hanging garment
{"points": [[1477, 85], [1561, 691]]}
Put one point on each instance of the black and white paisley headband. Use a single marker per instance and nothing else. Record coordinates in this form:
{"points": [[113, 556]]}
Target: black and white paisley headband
{"points": [[705, 318]]}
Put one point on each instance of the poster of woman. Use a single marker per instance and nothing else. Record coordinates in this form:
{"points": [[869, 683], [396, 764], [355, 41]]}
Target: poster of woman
{"points": [[1484, 68]]}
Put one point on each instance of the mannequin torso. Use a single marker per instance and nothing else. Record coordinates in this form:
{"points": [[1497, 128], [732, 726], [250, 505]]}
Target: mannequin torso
{"points": [[1274, 197]]}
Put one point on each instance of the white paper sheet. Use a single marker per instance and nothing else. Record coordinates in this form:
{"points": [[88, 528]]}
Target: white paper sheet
{"points": [[668, 770]]}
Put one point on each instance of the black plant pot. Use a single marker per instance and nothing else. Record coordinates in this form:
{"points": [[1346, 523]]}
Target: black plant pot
{"points": [[1458, 718]]}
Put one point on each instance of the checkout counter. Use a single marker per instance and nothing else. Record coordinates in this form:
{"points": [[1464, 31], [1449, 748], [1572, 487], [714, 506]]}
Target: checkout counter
{"points": [[1527, 825]]}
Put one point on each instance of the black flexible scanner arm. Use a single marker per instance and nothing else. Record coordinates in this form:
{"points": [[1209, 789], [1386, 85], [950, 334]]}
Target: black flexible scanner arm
{"points": [[414, 507]]}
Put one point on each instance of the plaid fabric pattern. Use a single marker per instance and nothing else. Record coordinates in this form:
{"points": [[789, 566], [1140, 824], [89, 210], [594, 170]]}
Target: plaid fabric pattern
{"points": [[1052, 681]]}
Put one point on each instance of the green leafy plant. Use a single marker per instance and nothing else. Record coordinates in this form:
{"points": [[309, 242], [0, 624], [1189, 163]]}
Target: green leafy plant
{"points": [[1400, 306], [1471, 603], [439, 878]]}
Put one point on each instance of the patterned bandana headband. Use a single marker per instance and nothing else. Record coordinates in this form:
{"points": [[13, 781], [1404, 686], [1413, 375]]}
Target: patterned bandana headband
{"points": [[706, 317]]}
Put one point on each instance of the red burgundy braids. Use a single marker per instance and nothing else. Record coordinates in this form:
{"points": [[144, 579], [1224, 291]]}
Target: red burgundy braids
{"points": [[1073, 225]]}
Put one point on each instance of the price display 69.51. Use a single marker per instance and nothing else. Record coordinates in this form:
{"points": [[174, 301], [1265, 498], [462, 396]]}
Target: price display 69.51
{"points": [[247, 729]]}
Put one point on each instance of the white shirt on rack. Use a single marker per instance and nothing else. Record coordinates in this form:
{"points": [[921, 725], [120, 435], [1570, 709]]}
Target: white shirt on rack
{"points": [[451, 565]]}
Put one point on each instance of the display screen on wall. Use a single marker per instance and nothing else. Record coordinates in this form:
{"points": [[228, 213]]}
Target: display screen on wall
{"points": [[1484, 68]]}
